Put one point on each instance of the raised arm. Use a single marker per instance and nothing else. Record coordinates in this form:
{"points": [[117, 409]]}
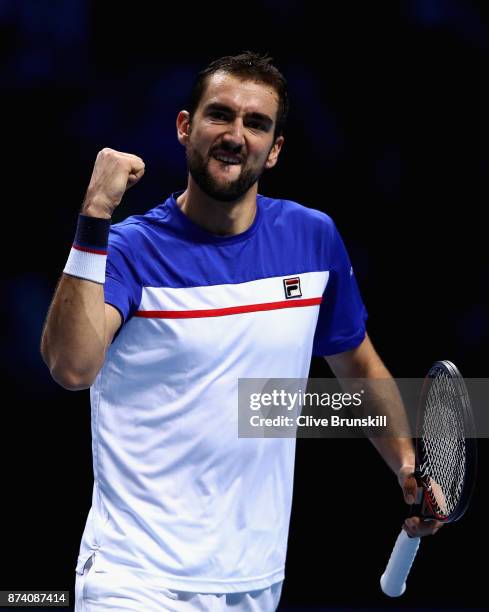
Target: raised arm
{"points": [[79, 325]]}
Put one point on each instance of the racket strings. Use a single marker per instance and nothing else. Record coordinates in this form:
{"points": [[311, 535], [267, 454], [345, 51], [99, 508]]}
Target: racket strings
{"points": [[444, 460]]}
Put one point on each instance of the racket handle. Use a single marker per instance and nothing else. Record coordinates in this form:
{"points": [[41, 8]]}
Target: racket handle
{"points": [[393, 580]]}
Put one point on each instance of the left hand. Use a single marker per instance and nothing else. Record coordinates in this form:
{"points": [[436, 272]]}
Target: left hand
{"points": [[414, 526]]}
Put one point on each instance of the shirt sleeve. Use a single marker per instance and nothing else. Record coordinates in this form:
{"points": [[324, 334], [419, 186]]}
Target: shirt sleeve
{"points": [[342, 315], [122, 288]]}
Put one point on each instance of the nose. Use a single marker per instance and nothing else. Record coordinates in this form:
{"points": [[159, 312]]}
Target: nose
{"points": [[233, 137]]}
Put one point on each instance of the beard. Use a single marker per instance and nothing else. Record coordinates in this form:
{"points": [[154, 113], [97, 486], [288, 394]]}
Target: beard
{"points": [[233, 190]]}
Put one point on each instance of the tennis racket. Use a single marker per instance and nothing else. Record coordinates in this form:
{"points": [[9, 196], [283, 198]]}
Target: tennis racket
{"points": [[446, 464]]}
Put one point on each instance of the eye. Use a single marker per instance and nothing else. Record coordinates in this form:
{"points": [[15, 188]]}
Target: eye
{"points": [[218, 115], [257, 124]]}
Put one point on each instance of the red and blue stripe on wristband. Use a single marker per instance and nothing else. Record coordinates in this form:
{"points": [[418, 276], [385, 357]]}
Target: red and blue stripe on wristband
{"points": [[92, 235]]}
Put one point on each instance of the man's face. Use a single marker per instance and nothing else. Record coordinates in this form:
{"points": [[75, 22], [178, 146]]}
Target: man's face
{"points": [[230, 138]]}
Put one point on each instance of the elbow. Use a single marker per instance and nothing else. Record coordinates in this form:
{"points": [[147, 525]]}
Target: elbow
{"points": [[71, 381], [67, 374], [69, 378]]}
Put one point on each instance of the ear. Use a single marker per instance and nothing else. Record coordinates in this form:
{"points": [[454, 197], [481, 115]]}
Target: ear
{"points": [[183, 127], [274, 152]]}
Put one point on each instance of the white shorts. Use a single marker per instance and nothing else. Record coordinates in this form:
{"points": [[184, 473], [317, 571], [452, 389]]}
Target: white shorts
{"points": [[120, 591]]}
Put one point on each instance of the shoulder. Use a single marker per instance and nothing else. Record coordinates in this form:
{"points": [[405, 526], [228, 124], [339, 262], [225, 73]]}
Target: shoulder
{"points": [[298, 216], [136, 228]]}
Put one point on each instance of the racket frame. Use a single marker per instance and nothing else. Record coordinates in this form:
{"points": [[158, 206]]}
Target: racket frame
{"points": [[428, 508]]}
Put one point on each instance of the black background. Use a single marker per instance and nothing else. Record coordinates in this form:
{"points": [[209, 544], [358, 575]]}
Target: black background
{"points": [[387, 134]]}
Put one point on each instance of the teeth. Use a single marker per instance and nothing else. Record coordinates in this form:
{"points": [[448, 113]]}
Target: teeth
{"points": [[227, 160]]}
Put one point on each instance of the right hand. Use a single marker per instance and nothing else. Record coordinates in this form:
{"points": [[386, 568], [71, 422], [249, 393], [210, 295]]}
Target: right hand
{"points": [[113, 174]]}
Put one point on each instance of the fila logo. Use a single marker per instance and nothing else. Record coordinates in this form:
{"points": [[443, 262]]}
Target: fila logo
{"points": [[292, 287]]}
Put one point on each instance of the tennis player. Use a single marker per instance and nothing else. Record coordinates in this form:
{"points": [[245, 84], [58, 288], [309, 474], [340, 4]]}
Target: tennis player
{"points": [[159, 316]]}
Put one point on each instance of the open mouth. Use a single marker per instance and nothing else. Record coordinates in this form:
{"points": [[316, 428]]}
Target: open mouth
{"points": [[230, 160]]}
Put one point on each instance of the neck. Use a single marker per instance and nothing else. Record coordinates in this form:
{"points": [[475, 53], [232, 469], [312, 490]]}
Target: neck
{"points": [[221, 218]]}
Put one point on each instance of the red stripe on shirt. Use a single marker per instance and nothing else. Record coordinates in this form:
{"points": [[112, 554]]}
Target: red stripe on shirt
{"points": [[88, 250], [221, 312]]}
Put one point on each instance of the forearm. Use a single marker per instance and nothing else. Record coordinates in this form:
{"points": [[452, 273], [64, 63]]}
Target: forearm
{"points": [[382, 398], [394, 443], [396, 452], [73, 339]]}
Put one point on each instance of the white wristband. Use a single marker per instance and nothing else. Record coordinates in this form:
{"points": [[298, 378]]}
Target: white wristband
{"points": [[86, 264]]}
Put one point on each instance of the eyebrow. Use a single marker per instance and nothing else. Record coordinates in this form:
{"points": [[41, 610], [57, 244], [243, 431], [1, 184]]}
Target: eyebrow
{"points": [[268, 121]]}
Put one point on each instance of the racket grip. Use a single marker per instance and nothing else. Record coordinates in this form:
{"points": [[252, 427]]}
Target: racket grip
{"points": [[393, 580]]}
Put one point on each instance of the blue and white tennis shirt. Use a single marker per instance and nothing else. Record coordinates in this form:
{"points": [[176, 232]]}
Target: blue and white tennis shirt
{"points": [[178, 497]]}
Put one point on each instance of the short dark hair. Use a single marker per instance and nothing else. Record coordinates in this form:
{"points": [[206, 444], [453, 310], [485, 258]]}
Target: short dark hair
{"points": [[247, 66]]}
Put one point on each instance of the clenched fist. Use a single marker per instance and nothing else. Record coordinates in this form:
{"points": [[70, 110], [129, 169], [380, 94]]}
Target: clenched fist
{"points": [[113, 174]]}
